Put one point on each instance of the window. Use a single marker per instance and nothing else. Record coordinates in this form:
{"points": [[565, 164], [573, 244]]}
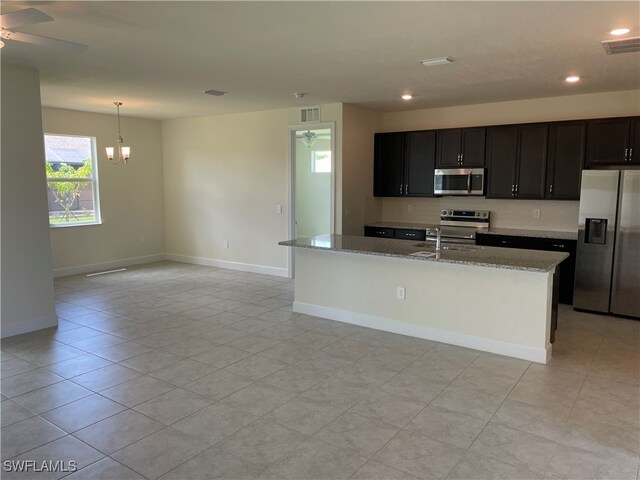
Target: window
{"points": [[321, 162], [72, 180]]}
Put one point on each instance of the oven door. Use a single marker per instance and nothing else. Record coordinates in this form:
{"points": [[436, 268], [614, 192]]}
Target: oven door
{"points": [[459, 181]]}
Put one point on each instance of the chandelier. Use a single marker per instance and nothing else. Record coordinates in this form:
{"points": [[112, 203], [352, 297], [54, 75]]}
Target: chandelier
{"points": [[119, 154]]}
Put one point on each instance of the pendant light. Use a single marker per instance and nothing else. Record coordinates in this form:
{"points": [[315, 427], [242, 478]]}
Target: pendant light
{"points": [[119, 154]]}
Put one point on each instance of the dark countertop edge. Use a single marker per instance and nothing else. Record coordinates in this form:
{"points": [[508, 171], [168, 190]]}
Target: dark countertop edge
{"points": [[294, 244]]}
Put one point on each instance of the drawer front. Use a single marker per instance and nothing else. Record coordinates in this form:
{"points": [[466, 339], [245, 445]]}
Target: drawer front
{"points": [[411, 234], [554, 245], [379, 232], [508, 241]]}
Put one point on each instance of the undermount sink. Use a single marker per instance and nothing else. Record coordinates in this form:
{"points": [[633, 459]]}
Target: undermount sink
{"points": [[424, 254]]}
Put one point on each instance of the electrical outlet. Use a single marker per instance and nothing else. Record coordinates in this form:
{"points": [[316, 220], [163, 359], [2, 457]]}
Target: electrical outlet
{"points": [[536, 213], [401, 293], [278, 208], [143, 240], [410, 208], [226, 244]]}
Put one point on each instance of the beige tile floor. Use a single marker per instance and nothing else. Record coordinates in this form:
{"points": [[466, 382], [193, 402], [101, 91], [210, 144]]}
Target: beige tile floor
{"points": [[177, 371]]}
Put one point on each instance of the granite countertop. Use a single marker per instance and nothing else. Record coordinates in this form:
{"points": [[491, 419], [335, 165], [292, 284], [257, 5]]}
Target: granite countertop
{"points": [[493, 257], [521, 232], [516, 232]]}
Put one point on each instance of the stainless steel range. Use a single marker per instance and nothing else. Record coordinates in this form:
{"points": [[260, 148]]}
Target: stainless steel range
{"points": [[460, 226]]}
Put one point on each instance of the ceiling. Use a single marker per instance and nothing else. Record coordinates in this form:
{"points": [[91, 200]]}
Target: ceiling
{"points": [[158, 57]]}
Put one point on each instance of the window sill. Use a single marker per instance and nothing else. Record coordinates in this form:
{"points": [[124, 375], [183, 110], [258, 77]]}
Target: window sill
{"points": [[79, 224]]}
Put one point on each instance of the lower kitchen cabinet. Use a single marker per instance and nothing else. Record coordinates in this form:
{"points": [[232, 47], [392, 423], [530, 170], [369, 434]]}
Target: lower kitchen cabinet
{"points": [[566, 269], [400, 233]]}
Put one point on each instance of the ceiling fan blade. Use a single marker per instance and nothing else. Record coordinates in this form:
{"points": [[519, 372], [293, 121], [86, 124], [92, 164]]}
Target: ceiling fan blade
{"points": [[23, 17], [47, 42]]}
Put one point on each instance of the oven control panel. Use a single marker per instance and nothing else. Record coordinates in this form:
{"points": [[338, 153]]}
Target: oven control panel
{"points": [[471, 218]]}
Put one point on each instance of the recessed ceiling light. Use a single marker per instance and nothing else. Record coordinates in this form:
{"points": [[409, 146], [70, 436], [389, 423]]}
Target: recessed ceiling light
{"points": [[619, 31], [432, 62], [572, 79], [407, 97]]}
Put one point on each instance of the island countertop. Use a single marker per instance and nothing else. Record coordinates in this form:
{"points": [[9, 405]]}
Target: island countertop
{"points": [[493, 257]]}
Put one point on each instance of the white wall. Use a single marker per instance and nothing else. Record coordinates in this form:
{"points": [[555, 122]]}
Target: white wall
{"points": [[224, 176], [27, 286], [555, 215], [358, 203], [131, 196]]}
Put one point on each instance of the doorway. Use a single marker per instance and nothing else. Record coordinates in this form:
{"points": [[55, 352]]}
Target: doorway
{"points": [[312, 187]]}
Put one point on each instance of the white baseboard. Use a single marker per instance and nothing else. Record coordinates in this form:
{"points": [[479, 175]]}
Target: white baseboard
{"points": [[244, 267], [420, 331], [96, 267], [17, 328]]}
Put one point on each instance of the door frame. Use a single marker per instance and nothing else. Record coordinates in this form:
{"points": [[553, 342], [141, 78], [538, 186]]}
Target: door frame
{"points": [[291, 142]]}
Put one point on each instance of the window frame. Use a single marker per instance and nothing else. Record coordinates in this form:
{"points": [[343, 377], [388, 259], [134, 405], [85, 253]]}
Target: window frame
{"points": [[93, 180], [314, 160]]}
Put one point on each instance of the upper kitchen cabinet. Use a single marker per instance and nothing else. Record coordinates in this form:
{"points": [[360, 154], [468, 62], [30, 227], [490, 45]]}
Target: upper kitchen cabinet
{"points": [[517, 156], [461, 147], [404, 164], [388, 165], [565, 160], [613, 141], [502, 153]]}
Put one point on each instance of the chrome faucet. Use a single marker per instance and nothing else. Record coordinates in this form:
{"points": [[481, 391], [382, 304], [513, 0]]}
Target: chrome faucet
{"points": [[438, 238]]}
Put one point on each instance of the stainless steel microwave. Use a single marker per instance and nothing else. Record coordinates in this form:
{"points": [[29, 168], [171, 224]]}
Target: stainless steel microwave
{"points": [[459, 181]]}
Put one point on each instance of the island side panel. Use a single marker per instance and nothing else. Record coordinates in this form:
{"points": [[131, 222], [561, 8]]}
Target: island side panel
{"points": [[491, 309]]}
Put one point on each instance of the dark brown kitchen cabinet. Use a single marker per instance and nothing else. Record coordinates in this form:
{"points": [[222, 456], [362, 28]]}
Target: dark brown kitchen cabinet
{"points": [[634, 154], [565, 160], [389, 165], [461, 147], [404, 163], [613, 141], [517, 161], [502, 151]]}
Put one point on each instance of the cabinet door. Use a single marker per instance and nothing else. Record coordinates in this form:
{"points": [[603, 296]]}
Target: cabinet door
{"points": [[502, 152], [473, 147], [383, 232], [565, 160], [388, 165], [607, 141], [635, 141], [532, 160], [410, 234], [449, 148], [419, 160]]}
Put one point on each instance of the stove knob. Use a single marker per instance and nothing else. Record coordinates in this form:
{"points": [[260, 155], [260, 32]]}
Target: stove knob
{"points": [[444, 212], [484, 214], [451, 212]]}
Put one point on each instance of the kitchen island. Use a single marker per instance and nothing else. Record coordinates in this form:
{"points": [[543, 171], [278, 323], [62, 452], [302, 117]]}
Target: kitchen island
{"points": [[492, 299]]}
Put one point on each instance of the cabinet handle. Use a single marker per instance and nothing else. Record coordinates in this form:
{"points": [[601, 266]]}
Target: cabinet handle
{"points": [[626, 154], [550, 189], [410, 234], [558, 245], [517, 189], [461, 158], [400, 189], [513, 189], [630, 153]]}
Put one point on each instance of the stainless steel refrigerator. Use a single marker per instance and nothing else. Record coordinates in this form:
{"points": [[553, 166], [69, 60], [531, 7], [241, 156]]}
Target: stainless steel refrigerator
{"points": [[608, 250]]}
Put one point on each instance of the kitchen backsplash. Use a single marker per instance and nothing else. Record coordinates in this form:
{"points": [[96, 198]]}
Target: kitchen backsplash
{"points": [[554, 215]]}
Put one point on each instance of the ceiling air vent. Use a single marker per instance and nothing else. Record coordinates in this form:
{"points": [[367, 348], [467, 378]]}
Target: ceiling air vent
{"points": [[624, 45], [309, 114]]}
